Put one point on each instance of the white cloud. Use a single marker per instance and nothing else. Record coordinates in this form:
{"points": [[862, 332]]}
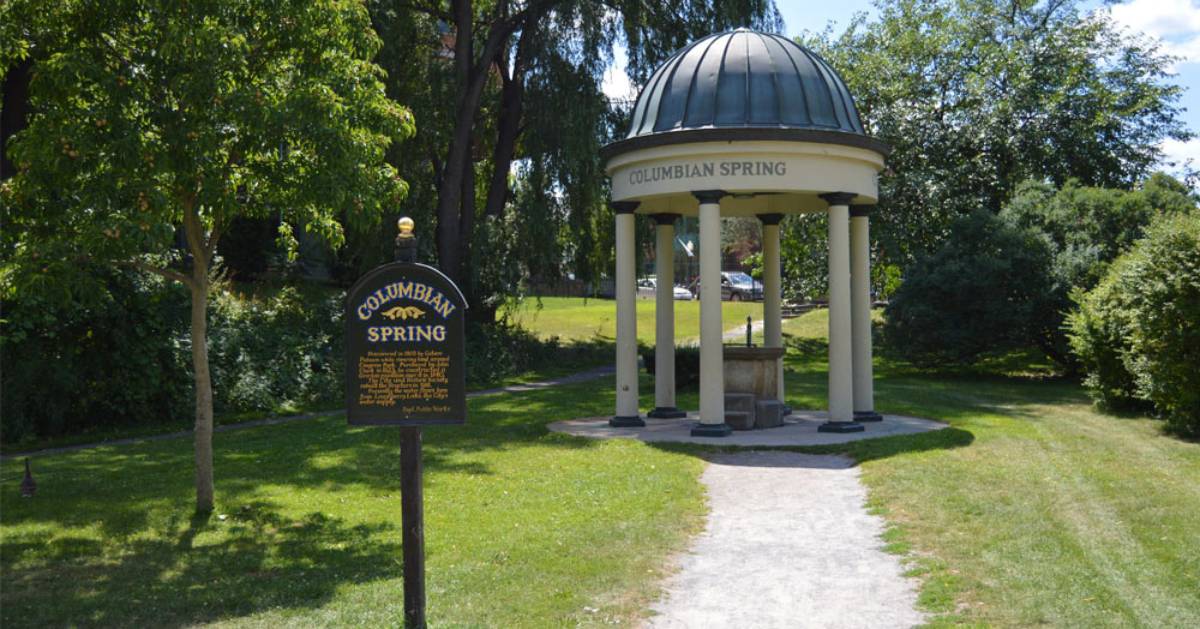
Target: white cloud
{"points": [[616, 85], [1179, 152], [1176, 23], [1160, 18]]}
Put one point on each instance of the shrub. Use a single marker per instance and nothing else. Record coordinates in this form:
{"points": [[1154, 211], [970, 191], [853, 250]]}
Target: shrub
{"points": [[1099, 330], [985, 292], [124, 357], [1138, 333], [1086, 229], [687, 365], [276, 352], [100, 358]]}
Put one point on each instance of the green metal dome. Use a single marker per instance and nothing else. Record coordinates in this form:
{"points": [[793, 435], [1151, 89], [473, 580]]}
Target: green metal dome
{"points": [[748, 85]]}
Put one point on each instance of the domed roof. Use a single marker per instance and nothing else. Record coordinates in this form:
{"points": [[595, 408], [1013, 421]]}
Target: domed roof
{"points": [[758, 83]]}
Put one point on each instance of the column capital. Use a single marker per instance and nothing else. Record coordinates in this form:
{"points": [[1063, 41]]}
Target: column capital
{"points": [[861, 210], [664, 218], [709, 196], [838, 198], [624, 207], [770, 219]]}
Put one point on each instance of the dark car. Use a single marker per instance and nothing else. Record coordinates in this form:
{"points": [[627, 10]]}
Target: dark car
{"points": [[735, 286]]}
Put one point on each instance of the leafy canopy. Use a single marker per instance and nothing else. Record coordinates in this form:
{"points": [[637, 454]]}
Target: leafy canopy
{"points": [[1005, 281], [976, 96], [984, 292], [536, 207], [156, 114]]}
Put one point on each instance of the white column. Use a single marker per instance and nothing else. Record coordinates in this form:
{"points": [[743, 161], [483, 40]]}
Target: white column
{"points": [[772, 292], [712, 376], [860, 300], [627, 376], [664, 319], [841, 387]]}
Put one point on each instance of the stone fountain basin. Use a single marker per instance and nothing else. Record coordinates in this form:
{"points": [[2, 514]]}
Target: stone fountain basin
{"points": [[752, 370]]}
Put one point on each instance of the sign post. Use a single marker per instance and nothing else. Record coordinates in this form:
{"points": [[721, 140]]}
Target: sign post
{"points": [[404, 367]]}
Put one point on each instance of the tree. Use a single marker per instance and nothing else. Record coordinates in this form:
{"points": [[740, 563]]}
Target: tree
{"points": [[984, 292], [483, 73], [976, 96], [804, 255], [157, 123], [1086, 229], [1047, 245]]}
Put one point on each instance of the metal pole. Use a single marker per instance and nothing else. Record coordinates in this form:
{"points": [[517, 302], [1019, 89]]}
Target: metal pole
{"points": [[413, 519]]}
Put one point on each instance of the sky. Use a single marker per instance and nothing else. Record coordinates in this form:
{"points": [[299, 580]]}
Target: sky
{"points": [[1175, 23]]}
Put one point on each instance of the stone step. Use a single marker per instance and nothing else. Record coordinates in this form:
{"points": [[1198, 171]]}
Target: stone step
{"points": [[740, 402], [768, 414], [739, 420]]}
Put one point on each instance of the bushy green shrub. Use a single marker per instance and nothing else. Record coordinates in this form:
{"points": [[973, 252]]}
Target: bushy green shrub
{"points": [[97, 358], [687, 365], [1086, 229], [124, 357], [985, 292], [1138, 332], [278, 352], [1099, 335]]}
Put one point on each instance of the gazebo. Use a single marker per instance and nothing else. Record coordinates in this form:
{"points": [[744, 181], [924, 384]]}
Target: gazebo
{"points": [[744, 123]]}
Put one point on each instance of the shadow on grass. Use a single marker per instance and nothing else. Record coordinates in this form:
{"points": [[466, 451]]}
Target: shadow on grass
{"points": [[116, 489], [110, 540], [860, 451], [191, 571]]}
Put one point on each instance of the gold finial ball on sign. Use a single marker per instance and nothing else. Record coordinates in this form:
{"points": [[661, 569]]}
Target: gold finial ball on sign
{"points": [[406, 225]]}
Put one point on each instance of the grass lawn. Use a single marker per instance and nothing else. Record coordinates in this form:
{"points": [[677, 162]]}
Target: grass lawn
{"points": [[1032, 509], [572, 318], [523, 528]]}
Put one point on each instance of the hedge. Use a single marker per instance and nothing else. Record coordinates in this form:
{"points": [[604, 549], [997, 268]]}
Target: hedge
{"points": [[1138, 332]]}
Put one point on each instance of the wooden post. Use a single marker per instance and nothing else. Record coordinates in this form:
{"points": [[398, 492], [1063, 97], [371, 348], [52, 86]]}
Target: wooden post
{"points": [[412, 498], [413, 520], [380, 370]]}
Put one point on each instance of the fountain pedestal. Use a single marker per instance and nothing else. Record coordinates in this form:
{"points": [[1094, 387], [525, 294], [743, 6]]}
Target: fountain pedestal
{"points": [[753, 371]]}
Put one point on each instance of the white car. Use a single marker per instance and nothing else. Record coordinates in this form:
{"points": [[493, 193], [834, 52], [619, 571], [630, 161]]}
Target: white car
{"points": [[647, 287]]}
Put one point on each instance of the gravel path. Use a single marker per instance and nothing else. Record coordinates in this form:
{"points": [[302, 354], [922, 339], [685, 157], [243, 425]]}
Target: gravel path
{"points": [[788, 543], [737, 334]]}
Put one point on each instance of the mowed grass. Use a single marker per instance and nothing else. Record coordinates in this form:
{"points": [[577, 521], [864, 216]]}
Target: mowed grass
{"points": [[523, 528], [574, 318], [1034, 508]]}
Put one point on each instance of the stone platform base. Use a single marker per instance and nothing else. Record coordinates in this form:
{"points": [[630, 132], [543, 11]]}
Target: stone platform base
{"points": [[798, 429]]}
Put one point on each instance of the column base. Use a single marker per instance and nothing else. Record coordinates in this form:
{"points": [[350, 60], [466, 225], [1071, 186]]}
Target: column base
{"points": [[666, 412], [867, 416], [711, 430], [626, 422], [840, 427]]}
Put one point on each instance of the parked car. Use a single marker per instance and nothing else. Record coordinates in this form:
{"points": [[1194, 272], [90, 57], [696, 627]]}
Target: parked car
{"points": [[648, 287], [735, 286]]}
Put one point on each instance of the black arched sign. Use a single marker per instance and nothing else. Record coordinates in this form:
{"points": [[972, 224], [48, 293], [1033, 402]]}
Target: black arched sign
{"points": [[405, 348]]}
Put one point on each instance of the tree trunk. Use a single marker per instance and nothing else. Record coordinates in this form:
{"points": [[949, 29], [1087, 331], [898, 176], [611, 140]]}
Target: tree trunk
{"points": [[471, 75], [506, 143], [449, 237], [204, 394]]}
